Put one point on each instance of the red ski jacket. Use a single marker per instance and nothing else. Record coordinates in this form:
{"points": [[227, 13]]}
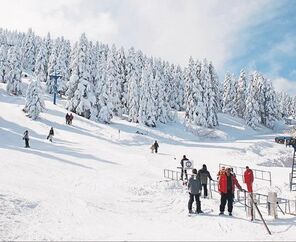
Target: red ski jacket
{"points": [[222, 186], [248, 176]]}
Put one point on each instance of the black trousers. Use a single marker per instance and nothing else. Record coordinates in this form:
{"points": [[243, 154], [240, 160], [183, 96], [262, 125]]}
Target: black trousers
{"points": [[205, 188], [156, 149], [182, 172], [27, 143], [197, 200], [226, 197]]}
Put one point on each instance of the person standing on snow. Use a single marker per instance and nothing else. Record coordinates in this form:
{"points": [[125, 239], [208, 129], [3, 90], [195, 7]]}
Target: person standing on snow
{"points": [[194, 188], [249, 179], [226, 187], [204, 174], [26, 138], [71, 117], [51, 134], [156, 146], [67, 118], [184, 159]]}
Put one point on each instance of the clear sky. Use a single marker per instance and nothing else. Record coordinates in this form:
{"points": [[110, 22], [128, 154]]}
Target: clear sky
{"points": [[234, 34]]}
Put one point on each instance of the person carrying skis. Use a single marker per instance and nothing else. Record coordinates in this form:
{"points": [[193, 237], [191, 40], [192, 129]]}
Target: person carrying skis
{"points": [[249, 179], [51, 134], [194, 189], [26, 138], [204, 174], [184, 159], [156, 146], [226, 187]]}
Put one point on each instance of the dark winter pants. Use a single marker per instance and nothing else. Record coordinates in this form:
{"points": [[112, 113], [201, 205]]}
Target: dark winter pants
{"points": [[156, 149], [27, 143], [184, 171], [197, 200], [205, 188], [226, 197]]}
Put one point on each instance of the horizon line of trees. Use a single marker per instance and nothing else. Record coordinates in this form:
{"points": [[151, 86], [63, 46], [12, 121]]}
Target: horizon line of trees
{"points": [[101, 82]]}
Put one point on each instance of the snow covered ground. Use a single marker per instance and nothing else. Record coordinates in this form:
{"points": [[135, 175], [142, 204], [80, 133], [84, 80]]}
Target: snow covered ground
{"points": [[94, 183]]}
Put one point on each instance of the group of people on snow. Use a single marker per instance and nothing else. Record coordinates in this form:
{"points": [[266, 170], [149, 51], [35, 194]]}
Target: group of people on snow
{"points": [[26, 137], [69, 118], [226, 186]]}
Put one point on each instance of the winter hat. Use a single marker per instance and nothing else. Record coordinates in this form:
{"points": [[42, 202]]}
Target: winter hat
{"points": [[204, 166], [194, 171]]}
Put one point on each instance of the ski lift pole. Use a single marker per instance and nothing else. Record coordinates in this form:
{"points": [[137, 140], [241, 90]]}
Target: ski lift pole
{"points": [[55, 87]]}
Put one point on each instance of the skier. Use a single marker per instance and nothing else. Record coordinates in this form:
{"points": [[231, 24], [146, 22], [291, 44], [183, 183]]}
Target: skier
{"points": [[71, 118], [194, 188], [26, 138], [249, 179], [156, 146], [204, 174], [226, 187], [182, 168], [51, 134], [67, 118]]}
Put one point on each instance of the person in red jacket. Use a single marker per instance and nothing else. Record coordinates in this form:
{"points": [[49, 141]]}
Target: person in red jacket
{"points": [[226, 186], [249, 179]]}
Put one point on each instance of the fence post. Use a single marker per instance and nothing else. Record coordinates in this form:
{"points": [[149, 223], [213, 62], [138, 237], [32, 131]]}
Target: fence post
{"points": [[272, 204]]}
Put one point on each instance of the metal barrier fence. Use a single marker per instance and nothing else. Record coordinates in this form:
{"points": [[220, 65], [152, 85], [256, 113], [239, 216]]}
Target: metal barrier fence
{"points": [[170, 174], [258, 174], [286, 205]]}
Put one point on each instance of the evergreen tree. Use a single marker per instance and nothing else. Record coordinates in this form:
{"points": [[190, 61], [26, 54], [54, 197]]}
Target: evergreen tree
{"points": [[40, 69], [252, 115], [14, 72], [80, 94], [240, 100], [28, 51], [229, 94], [3, 62], [34, 100]]}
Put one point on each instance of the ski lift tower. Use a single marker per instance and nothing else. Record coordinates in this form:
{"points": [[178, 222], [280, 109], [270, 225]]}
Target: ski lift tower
{"points": [[55, 87], [290, 142]]}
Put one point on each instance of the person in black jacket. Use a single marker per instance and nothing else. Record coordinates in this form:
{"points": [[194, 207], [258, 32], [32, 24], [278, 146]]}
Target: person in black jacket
{"points": [[156, 146], [26, 138], [204, 174], [194, 189], [184, 159], [51, 134]]}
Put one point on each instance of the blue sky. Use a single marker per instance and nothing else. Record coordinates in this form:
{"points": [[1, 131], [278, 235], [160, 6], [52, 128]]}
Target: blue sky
{"points": [[234, 34], [270, 46]]}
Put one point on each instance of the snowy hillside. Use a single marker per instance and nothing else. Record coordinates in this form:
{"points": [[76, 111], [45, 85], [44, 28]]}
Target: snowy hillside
{"points": [[96, 183]]}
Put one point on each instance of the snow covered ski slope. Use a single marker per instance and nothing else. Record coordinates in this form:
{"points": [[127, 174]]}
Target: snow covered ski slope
{"points": [[96, 183]]}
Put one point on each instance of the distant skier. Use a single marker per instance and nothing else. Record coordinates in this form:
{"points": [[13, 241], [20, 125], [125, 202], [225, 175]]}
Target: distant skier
{"points": [[67, 117], [51, 134], [226, 187], [71, 117], [156, 146], [194, 188], [204, 174], [249, 179], [184, 159], [26, 138]]}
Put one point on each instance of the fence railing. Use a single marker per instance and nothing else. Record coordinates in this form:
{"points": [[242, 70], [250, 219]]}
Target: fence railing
{"points": [[258, 174], [288, 206]]}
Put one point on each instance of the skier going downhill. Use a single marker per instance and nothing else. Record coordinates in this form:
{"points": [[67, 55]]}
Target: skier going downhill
{"points": [[51, 134], [26, 138]]}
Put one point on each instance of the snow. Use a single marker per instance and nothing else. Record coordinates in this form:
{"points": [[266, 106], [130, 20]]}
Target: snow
{"points": [[96, 183]]}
